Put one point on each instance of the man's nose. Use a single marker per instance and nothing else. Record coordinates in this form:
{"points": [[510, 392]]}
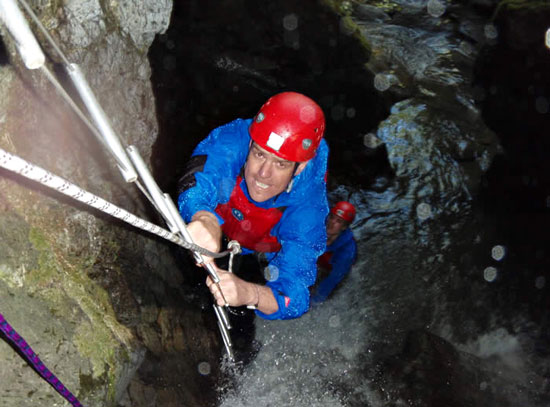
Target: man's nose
{"points": [[265, 169]]}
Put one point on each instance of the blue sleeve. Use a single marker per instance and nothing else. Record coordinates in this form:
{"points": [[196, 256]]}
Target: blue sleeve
{"points": [[341, 262], [226, 149], [294, 269]]}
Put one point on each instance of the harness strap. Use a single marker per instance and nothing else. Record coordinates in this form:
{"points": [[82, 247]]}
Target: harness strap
{"points": [[18, 341]]}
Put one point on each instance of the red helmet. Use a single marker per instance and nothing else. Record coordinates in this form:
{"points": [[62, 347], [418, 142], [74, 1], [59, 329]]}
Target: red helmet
{"points": [[289, 125], [344, 210]]}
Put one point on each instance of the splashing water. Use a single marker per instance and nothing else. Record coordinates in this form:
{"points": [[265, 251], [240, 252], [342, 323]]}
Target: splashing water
{"points": [[308, 361]]}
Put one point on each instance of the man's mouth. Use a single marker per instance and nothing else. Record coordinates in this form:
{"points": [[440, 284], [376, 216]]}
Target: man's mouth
{"points": [[261, 185]]}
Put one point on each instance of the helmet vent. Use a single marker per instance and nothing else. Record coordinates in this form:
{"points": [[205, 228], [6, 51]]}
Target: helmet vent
{"points": [[260, 117], [306, 143]]}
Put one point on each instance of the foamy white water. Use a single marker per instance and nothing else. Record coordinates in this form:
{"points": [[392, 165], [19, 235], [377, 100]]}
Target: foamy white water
{"points": [[312, 360]]}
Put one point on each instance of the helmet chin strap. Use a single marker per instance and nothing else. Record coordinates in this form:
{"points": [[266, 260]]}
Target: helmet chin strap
{"points": [[289, 186]]}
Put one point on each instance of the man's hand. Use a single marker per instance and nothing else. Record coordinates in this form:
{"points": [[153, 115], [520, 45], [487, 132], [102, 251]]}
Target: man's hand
{"points": [[237, 292], [205, 231]]}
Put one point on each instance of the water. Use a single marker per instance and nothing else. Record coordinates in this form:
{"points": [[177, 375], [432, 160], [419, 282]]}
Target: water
{"points": [[312, 360], [325, 357]]}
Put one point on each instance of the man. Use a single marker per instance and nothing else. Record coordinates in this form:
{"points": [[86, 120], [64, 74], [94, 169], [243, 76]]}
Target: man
{"points": [[341, 250], [262, 182]]}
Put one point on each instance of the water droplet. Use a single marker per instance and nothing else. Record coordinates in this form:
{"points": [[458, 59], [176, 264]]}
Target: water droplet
{"points": [[204, 368], [381, 82], [371, 141], [490, 274], [350, 112], [540, 282], [290, 22], [334, 321], [307, 114], [483, 386], [436, 8], [271, 273], [490, 31], [246, 225], [498, 252], [423, 211]]}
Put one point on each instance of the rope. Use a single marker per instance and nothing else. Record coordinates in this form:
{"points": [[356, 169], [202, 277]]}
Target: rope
{"points": [[53, 80], [20, 166], [18, 341]]}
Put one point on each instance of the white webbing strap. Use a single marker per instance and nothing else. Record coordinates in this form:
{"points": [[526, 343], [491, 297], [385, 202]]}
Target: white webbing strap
{"points": [[20, 166]]}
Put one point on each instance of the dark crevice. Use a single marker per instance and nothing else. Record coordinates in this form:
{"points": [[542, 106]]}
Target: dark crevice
{"points": [[4, 58], [221, 61]]}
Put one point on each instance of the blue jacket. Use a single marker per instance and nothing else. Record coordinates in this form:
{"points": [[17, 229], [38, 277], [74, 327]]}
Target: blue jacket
{"points": [[344, 253], [301, 230]]}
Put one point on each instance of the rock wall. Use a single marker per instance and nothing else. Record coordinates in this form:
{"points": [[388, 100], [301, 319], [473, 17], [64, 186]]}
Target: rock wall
{"points": [[92, 296]]}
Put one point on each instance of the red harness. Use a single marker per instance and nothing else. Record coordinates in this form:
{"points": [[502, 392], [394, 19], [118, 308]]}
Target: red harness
{"points": [[248, 224], [324, 261]]}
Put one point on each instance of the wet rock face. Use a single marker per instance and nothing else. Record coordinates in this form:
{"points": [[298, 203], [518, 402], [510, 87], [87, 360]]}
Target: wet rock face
{"points": [[93, 297]]}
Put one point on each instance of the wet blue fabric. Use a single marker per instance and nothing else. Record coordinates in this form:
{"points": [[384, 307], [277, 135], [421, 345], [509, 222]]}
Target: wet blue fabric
{"points": [[344, 253], [301, 230]]}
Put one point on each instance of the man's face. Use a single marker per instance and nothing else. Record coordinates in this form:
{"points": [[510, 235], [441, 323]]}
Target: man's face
{"points": [[335, 225], [267, 175]]}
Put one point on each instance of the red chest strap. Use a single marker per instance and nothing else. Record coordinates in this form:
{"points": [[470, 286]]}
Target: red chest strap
{"points": [[248, 224]]}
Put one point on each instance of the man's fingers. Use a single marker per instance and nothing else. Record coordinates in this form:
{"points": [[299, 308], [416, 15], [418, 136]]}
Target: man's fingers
{"points": [[219, 298], [216, 293]]}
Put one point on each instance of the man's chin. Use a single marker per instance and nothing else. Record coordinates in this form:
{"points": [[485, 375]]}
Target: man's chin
{"points": [[259, 197]]}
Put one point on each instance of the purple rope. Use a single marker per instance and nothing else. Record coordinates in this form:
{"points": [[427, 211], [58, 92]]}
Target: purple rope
{"points": [[33, 358]]}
